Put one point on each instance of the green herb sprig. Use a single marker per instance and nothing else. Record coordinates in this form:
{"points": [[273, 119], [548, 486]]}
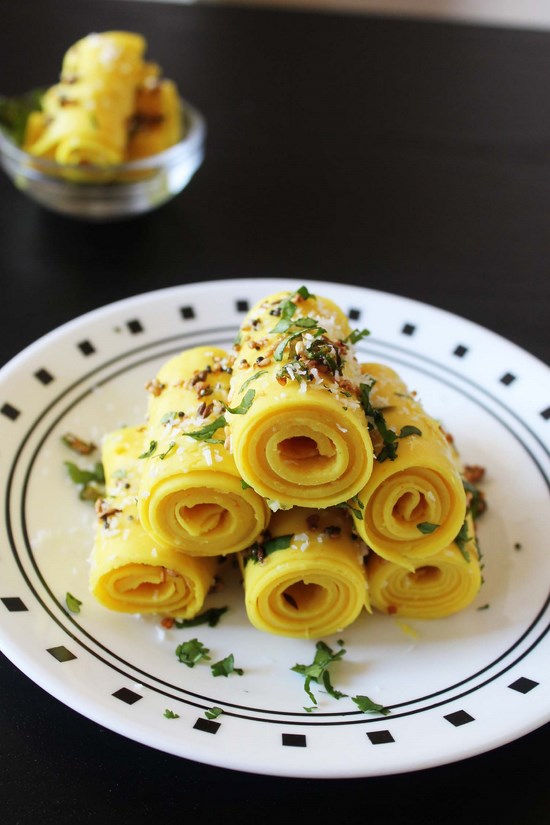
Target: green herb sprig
{"points": [[73, 604], [389, 437], [210, 617], [192, 652], [318, 670], [225, 667]]}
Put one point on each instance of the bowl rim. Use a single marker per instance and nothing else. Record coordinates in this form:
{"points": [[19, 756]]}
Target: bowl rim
{"points": [[194, 138]]}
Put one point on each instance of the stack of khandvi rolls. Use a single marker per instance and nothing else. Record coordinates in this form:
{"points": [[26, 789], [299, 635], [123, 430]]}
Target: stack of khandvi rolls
{"points": [[109, 106], [324, 477]]}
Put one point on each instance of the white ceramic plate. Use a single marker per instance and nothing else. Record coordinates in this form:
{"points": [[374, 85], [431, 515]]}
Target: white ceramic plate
{"points": [[455, 687]]}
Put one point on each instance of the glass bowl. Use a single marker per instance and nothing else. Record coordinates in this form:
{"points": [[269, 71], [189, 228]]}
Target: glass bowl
{"points": [[100, 194]]}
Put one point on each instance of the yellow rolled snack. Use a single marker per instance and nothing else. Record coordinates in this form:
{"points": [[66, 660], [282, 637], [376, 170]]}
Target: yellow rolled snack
{"points": [[130, 573], [191, 494], [441, 585], [157, 122], [303, 440], [414, 505], [307, 578], [87, 112]]}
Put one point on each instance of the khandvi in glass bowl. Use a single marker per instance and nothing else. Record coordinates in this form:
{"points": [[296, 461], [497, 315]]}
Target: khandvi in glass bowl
{"points": [[113, 138]]}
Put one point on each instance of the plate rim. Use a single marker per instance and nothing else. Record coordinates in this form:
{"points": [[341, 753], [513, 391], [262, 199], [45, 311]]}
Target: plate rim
{"points": [[163, 295]]}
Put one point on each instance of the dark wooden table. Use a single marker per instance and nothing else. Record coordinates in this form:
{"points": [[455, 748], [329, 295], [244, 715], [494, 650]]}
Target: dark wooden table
{"points": [[405, 156]]}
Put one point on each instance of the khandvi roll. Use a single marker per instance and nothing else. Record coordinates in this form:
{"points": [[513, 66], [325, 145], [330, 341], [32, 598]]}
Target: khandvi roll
{"points": [[302, 439], [414, 503], [157, 120], [110, 106], [87, 113], [191, 494], [306, 578], [443, 584], [129, 572]]}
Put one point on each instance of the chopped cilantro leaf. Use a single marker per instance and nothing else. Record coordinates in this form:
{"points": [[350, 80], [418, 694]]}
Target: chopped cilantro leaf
{"points": [[252, 378], [169, 714], [462, 540], [282, 345], [356, 335], [150, 450], [213, 713], [277, 543], [477, 502], [80, 476], [288, 308], [389, 436], [366, 705], [168, 450], [426, 527], [206, 433], [356, 506], [14, 112], [407, 430], [226, 666], [211, 617], [318, 672], [73, 604], [191, 652], [257, 552], [245, 404]]}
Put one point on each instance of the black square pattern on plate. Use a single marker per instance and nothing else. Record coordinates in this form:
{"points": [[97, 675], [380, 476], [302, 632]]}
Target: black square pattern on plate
{"points": [[86, 347], [44, 376], [61, 653], [10, 411], [546, 413], [134, 326], [128, 696], [294, 740], [207, 725], [14, 604], [507, 379], [523, 685], [380, 737], [460, 351], [408, 329], [458, 718], [187, 312], [354, 314], [242, 305]]}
